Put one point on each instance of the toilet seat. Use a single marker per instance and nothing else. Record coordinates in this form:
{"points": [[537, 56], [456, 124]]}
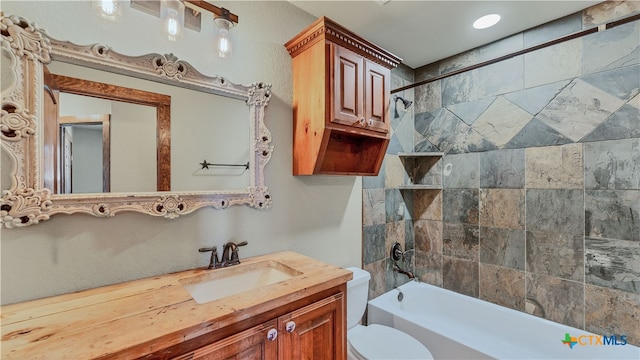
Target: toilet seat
{"points": [[382, 342]]}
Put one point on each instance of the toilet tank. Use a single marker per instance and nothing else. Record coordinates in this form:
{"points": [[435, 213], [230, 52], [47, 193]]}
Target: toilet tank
{"points": [[357, 295]]}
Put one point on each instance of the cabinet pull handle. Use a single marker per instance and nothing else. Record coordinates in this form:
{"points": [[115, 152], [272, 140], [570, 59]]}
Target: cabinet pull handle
{"points": [[290, 326], [370, 122], [363, 122], [272, 334]]}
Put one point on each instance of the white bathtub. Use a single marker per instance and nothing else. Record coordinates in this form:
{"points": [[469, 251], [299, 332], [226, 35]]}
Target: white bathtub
{"points": [[455, 326]]}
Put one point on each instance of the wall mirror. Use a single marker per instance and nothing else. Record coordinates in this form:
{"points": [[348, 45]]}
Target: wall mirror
{"points": [[177, 165]]}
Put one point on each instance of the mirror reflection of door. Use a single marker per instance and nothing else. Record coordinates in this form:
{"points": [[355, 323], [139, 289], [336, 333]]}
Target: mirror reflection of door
{"points": [[66, 141], [85, 149]]}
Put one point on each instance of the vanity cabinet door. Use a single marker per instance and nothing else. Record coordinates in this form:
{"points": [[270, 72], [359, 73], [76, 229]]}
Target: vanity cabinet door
{"points": [[256, 343], [316, 331]]}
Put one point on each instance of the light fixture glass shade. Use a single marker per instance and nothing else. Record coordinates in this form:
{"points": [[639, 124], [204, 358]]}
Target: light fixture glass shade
{"points": [[108, 9], [172, 15], [224, 46]]}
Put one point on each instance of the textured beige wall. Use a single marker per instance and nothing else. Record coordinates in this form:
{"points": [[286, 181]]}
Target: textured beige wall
{"points": [[318, 216]]}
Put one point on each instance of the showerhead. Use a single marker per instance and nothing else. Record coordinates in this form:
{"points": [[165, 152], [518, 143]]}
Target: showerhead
{"points": [[405, 102]]}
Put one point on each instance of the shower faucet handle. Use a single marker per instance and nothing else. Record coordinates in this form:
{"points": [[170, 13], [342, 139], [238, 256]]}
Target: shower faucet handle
{"points": [[396, 252]]}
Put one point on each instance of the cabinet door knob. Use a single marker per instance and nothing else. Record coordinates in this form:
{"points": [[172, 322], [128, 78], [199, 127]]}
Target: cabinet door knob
{"points": [[272, 334], [370, 122], [362, 122], [290, 326]]}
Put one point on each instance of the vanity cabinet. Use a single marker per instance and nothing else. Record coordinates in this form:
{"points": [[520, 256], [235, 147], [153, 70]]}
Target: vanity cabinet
{"points": [[341, 92], [315, 331], [301, 317]]}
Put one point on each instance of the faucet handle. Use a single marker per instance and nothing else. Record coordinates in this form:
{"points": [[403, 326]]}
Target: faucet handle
{"points": [[396, 252], [235, 258], [213, 262]]}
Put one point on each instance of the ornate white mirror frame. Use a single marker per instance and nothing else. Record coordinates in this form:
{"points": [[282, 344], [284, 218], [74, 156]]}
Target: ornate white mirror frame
{"points": [[25, 50]]}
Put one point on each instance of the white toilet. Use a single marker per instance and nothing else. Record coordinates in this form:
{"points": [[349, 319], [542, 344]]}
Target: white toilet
{"points": [[375, 341]]}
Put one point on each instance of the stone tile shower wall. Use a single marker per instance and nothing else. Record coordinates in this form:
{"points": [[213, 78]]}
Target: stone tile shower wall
{"points": [[540, 206]]}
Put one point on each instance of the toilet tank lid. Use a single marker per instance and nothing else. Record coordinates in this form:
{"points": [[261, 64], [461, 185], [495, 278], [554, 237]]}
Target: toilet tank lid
{"points": [[359, 276]]}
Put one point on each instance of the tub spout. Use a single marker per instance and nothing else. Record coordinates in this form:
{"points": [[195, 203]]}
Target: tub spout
{"points": [[397, 269]]}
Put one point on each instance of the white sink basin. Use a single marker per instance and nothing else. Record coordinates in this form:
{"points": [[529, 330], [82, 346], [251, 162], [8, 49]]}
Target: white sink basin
{"points": [[220, 283]]}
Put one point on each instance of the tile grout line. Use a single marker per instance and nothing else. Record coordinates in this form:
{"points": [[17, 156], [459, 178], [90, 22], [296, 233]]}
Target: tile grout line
{"points": [[584, 242], [525, 230], [479, 227]]}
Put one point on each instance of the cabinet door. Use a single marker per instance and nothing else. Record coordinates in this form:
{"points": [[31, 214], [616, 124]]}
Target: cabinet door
{"points": [[348, 95], [256, 343], [315, 332], [377, 89]]}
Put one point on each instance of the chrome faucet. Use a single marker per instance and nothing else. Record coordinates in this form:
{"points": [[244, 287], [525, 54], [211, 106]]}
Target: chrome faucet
{"points": [[230, 253], [213, 262]]}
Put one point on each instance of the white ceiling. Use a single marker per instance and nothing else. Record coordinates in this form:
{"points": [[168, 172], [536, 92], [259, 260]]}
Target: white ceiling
{"points": [[422, 32]]}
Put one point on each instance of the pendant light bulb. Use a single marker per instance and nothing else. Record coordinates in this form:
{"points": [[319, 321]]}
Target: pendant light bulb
{"points": [[172, 15], [224, 46], [108, 9]]}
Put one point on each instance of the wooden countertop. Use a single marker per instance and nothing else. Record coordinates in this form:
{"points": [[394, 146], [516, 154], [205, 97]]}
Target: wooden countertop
{"points": [[135, 318]]}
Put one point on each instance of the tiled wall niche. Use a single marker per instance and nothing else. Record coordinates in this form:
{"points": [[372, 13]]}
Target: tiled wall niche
{"points": [[540, 206]]}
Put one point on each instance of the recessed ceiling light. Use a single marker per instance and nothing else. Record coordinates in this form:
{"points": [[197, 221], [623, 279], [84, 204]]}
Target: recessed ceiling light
{"points": [[486, 21]]}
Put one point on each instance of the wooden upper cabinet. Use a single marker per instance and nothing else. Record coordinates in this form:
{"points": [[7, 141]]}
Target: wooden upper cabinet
{"points": [[341, 92], [361, 91]]}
